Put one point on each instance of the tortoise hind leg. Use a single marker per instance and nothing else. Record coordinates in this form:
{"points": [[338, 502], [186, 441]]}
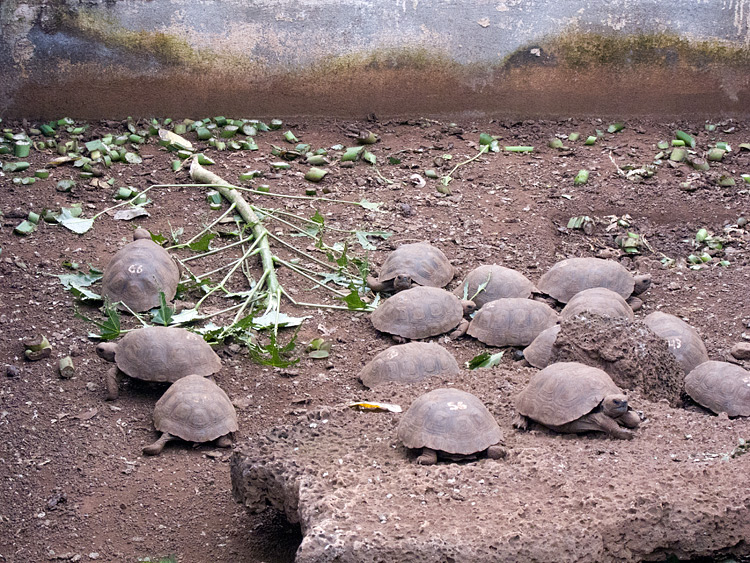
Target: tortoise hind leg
{"points": [[428, 457], [496, 452], [158, 446], [521, 422], [224, 441]]}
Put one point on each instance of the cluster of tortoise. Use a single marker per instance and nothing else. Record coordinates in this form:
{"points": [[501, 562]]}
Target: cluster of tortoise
{"points": [[193, 408], [494, 304], [501, 307]]}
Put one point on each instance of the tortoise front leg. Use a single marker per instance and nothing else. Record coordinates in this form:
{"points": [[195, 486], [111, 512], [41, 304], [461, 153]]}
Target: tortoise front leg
{"points": [[375, 285], [460, 330], [600, 422], [112, 380], [158, 446], [428, 457], [629, 419]]}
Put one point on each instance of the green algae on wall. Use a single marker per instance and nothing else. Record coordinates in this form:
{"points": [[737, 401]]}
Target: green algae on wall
{"points": [[164, 47], [578, 50]]}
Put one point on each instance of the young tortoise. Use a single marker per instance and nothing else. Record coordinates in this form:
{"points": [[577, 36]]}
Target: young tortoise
{"points": [[193, 409], [408, 363], [720, 387], [683, 340], [500, 282], [138, 272], [157, 353], [573, 397], [419, 263], [568, 277], [600, 301], [541, 352], [511, 321], [450, 424], [421, 312]]}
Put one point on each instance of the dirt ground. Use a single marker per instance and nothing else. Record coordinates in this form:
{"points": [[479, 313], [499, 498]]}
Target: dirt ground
{"points": [[75, 485]]}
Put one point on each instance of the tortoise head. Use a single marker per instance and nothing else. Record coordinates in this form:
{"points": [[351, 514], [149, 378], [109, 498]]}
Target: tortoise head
{"points": [[615, 406], [642, 283], [401, 282], [469, 307], [106, 350], [140, 234]]}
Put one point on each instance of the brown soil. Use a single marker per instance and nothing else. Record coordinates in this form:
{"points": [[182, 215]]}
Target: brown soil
{"points": [[74, 481]]}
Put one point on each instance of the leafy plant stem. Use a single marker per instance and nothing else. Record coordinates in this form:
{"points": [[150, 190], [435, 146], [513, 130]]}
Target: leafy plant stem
{"points": [[309, 277], [200, 174], [126, 202], [216, 250], [273, 212], [206, 230], [301, 252], [236, 265], [483, 149], [250, 298], [227, 185], [315, 305]]}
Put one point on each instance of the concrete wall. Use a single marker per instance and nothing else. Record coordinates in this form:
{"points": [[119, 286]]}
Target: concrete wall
{"points": [[110, 58]]}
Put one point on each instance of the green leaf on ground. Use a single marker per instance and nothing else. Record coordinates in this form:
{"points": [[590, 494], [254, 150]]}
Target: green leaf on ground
{"points": [[108, 329], [203, 243], [78, 225], [484, 360]]}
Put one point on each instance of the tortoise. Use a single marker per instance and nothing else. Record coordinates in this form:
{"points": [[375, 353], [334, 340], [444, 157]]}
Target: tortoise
{"points": [[600, 301], [566, 278], [421, 312], [138, 272], [157, 353], [500, 282], [419, 263], [194, 409], [720, 387], [511, 321], [573, 397], [683, 340], [450, 424], [408, 363], [541, 352]]}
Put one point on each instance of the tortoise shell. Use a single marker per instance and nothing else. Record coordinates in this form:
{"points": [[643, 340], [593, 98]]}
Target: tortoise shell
{"points": [[408, 363], [195, 409], [501, 282], [568, 277], [419, 312], [541, 352], [683, 340], [449, 420], [138, 272], [422, 262], [563, 392], [600, 301], [159, 353], [511, 321], [720, 387]]}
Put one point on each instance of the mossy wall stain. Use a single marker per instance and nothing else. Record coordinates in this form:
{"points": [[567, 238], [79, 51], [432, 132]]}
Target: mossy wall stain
{"points": [[605, 73], [168, 49]]}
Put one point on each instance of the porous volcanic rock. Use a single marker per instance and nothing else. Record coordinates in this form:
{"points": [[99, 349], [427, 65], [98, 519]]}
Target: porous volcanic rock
{"points": [[352, 486], [630, 352]]}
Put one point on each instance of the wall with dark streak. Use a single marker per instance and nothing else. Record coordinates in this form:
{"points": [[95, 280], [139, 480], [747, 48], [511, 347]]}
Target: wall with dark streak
{"points": [[110, 58]]}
